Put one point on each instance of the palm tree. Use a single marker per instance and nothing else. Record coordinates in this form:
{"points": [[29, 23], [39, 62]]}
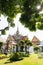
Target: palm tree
{"points": [[27, 42], [21, 44]]}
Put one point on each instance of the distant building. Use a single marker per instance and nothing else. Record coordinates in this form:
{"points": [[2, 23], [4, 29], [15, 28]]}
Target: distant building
{"points": [[13, 41], [41, 46], [35, 40]]}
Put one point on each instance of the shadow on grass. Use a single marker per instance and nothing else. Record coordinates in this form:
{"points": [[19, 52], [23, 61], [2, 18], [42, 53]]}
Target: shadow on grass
{"points": [[8, 61], [40, 57]]}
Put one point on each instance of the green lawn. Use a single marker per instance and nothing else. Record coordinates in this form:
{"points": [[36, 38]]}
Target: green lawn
{"points": [[32, 60]]}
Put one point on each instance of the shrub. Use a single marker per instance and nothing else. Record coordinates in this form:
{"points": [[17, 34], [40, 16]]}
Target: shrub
{"points": [[26, 54], [36, 49], [2, 56], [16, 56]]}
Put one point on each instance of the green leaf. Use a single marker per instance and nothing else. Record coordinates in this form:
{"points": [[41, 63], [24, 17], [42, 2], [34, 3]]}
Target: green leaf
{"points": [[12, 24], [40, 26], [3, 32], [10, 20]]}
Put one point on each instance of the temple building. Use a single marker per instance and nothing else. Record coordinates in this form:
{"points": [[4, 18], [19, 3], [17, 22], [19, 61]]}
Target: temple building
{"points": [[13, 40], [35, 41], [16, 37], [12, 43]]}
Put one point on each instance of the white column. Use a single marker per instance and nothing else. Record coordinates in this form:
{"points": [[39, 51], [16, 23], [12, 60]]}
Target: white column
{"points": [[19, 48], [15, 48]]}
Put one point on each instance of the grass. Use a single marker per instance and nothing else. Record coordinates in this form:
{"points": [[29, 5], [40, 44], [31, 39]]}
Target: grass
{"points": [[32, 60]]}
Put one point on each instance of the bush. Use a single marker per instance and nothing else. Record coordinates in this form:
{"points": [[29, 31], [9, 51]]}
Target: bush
{"points": [[16, 56], [36, 49], [2, 56], [26, 54]]}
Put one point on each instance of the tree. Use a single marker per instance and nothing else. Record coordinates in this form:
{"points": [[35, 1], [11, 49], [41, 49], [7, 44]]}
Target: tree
{"points": [[28, 42], [30, 16], [21, 43], [24, 43], [1, 43], [8, 8], [7, 47]]}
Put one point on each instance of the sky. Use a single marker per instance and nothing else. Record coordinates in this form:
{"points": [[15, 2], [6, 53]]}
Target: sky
{"points": [[22, 30]]}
